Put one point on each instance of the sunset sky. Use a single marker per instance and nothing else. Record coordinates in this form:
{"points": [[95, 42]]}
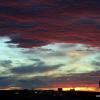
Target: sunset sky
{"points": [[49, 43]]}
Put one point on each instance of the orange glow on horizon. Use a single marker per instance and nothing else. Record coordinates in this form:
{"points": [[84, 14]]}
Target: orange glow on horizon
{"points": [[10, 88], [68, 87], [97, 89], [81, 89]]}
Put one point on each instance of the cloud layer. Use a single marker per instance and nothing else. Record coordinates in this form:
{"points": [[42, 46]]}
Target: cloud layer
{"points": [[49, 43], [49, 65], [36, 23]]}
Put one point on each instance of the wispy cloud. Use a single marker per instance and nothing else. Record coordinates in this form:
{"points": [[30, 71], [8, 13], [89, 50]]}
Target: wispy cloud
{"points": [[67, 60]]}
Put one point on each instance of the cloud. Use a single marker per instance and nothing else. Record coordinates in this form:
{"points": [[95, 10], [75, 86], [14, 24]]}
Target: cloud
{"points": [[53, 38], [42, 22], [31, 83], [5, 63], [18, 39], [39, 67], [5, 81], [46, 64], [83, 79], [96, 63]]}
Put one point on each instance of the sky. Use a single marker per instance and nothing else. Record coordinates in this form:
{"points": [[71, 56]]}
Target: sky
{"points": [[49, 43]]}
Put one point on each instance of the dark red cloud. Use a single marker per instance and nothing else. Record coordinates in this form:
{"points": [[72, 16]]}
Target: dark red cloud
{"points": [[68, 21]]}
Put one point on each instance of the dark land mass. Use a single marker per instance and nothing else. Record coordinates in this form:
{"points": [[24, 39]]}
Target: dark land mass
{"points": [[48, 95]]}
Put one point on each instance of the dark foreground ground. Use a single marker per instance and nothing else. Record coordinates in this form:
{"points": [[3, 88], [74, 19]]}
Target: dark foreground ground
{"points": [[48, 95]]}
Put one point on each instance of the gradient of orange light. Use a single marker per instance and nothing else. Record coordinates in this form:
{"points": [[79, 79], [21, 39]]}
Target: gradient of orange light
{"points": [[92, 89], [77, 87], [10, 88], [80, 89]]}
